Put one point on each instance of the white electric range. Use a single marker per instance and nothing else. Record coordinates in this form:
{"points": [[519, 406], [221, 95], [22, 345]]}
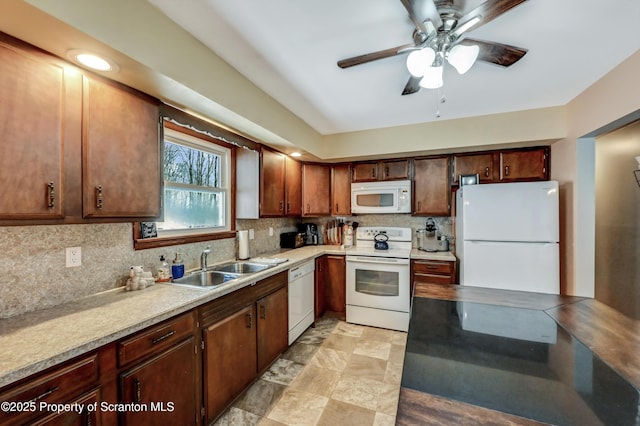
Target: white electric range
{"points": [[378, 282]]}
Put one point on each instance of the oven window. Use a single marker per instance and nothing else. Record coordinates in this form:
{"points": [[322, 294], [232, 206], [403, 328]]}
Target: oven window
{"points": [[377, 283], [375, 200]]}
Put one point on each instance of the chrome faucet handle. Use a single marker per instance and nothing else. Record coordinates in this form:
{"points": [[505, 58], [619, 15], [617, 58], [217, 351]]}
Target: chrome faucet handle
{"points": [[203, 258]]}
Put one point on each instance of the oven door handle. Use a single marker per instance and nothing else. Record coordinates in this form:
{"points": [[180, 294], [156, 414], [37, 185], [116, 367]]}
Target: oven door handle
{"points": [[378, 260]]}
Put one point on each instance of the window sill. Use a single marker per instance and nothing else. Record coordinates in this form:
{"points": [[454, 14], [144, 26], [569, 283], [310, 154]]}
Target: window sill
{"points": [[148, 243]]}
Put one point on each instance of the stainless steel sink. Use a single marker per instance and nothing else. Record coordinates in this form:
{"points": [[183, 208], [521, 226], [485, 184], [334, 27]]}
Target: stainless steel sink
{"points": [[241, 267], [205, 279]]}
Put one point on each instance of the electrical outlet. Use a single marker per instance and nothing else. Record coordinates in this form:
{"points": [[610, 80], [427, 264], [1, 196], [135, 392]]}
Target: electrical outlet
{"points": [[271, 231], [74, 257], [252, 234]]}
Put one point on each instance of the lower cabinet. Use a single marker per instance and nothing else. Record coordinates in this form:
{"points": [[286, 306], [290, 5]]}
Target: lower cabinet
{"points": [[331, 285], [432, 272], [242, 334]]}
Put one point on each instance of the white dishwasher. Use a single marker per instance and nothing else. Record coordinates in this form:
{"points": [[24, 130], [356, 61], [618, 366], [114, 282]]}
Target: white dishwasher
{"points": [[301, 290]]}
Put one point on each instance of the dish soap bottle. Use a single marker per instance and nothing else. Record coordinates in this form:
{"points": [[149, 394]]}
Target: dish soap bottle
{"points": [[164, 273], [177, 269]]}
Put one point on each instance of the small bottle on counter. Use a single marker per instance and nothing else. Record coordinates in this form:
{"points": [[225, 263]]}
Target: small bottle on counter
{"points": [[164, 272], [177, 268]]}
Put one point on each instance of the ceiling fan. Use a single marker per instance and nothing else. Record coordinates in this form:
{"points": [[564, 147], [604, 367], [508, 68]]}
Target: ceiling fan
{"points": [[440, 35]]}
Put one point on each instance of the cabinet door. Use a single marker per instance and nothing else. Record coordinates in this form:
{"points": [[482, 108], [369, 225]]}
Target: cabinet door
{"points": [[169, 382], [365, 172], [273, 317], [121, 152], [229, 359], [73, 418], [395, 170], [36, 106], [316, 187], [293, 188], [431, 189], [341, 190], [335, 290], [320, 286], [523, 165], [482, 164], [272, 178]]}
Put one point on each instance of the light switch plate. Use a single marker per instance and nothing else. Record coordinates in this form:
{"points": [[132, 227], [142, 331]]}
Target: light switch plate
{"points": [[271, 231], [252, 235], [73, 257]]}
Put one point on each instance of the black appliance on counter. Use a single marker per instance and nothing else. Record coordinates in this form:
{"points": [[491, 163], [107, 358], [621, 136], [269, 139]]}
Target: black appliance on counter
{"points": [[292, 239], [310, 231]]}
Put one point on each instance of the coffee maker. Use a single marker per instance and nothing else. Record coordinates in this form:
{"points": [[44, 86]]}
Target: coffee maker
{"points": [[310, 231]]}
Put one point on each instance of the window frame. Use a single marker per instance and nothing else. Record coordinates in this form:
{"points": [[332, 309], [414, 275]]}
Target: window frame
{"points": [[191, 237]]}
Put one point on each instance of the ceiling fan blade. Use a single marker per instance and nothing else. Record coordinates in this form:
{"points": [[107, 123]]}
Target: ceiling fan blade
{"points": [[413, 85], [374, 56], [496, 53], [487, 12], [423, 10]]}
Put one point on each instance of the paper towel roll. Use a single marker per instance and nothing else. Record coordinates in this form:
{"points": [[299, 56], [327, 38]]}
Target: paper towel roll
{"points": [[243, 245]]}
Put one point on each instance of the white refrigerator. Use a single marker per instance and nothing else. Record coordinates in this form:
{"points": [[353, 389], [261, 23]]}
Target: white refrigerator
{"points": [[507, 236]]}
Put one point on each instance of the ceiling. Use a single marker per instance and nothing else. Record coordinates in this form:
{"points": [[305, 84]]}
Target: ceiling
{"points": [[289, 49]]}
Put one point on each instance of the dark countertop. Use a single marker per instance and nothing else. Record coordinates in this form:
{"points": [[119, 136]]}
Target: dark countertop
{"points": [[512, 359]]}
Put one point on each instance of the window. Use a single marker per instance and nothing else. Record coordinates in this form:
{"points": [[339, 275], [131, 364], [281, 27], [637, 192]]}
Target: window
{"points": [[197, 186]]}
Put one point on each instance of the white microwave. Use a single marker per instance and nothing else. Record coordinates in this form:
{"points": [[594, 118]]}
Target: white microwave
{"points": [[381, 197]]}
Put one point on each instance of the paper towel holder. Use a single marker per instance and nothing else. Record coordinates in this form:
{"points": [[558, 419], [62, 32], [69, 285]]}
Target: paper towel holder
{"points": [[243, 245]]}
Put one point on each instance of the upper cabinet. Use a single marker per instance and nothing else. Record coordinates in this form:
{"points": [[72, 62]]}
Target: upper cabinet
{"points": [[316, 190], [381, 170], [280, 185], [524, 165], [483, 165], [341, 190], [40, 113], [431, 188], [121, 173]]}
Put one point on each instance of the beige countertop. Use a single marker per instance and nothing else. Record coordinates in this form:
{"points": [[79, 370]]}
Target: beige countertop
{"points": [[34, 341]]}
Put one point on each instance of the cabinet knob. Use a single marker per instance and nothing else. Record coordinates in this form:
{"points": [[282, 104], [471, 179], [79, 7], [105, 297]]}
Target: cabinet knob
{"points": [[506, 170], [99, 196], [386, 172], [373, 172], [52, 195], [486, 171], [281, 206], [249, 320], [137, 390], [337, 207], [288, 206], [263, 312]]}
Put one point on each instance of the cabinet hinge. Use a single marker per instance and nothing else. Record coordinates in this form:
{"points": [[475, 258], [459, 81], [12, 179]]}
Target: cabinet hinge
{"points": [[202, 344]]}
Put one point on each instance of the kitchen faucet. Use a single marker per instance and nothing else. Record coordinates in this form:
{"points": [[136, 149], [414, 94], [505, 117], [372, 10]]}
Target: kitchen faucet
{"points": [[203, 258]]}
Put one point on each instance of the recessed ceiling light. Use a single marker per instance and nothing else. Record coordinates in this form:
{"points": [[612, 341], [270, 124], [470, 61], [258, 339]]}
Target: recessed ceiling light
{"points": [[91, 60], [295, 154]]}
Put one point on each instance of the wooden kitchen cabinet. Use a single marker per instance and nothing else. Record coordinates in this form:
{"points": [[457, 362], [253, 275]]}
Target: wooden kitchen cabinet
{"points": [[242, 334], [381, 170], [316, 188], [341, 190], [40, 107], [331, 281], [73, 418], [121, 171], [280, 185], [432, 272], [431, 187], [320, 285], [524, 165], [161, 367], [483, 164]]}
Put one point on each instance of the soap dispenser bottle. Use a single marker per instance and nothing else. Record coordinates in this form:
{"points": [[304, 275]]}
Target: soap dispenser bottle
{"points": [[164, 272], [177, 268]]}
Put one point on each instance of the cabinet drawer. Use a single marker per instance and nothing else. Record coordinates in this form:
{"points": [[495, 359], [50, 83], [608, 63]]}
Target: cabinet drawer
{"points": [[155, 338], [53, 387], [432, 279], [433, 267]]}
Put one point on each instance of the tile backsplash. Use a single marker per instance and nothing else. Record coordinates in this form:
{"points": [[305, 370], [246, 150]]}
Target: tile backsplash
{"points": [[35, 275]]}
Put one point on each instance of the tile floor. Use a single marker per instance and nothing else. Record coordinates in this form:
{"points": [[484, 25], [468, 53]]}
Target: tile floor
{"points": [[336, 373]]}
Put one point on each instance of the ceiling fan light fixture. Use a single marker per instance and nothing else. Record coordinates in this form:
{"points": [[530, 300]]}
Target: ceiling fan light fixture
{"points": [[462, 57], [432, 78], [419, 61]]}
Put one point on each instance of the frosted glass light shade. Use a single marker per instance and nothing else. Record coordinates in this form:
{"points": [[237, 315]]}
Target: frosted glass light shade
{"points": [[419, 61], [463, 57], [432, 78]]}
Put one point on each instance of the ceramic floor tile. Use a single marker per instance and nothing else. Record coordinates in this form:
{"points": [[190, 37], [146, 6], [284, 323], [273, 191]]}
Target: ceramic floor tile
{"points": [[329, 358], [396, 354], [298, 408], [340, 342], [282, 371], [300, 353], [357, 391], [366, 367], [373, 349], [238, 417], [400, 338], [260, 397], [319, 381], [265, 421], [382, 419], [347, 329], [393, 374], [388, 399], [340, 413], [378, 334]]}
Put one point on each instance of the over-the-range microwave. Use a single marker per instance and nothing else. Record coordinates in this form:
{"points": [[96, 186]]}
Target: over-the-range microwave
{"points": [[381, 197]]}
